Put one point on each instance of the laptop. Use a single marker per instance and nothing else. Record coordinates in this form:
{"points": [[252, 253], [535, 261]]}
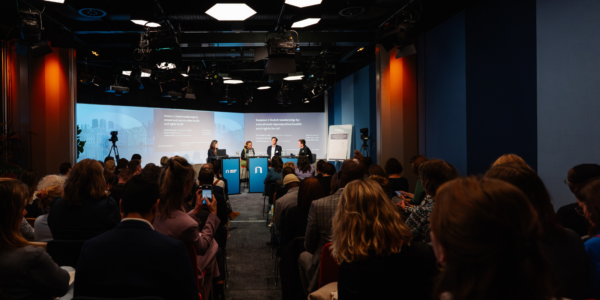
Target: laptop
{"points": [[221, 152]]}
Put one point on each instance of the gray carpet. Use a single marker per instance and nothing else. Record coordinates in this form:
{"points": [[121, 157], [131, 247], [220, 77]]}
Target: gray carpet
{"points": [[249, 259]]}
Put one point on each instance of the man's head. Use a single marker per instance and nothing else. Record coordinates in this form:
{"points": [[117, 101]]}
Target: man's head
{"points": [[65, 168], [137, 156], [122, 163], [320, 164], [217, 164], [291, 181], [352, 169], [328, 169], [135, 166], [140, 197], [274, 141], [301, 143], [206, 174], [151, 172], [286, 171], [125, 175], [108, 158]]}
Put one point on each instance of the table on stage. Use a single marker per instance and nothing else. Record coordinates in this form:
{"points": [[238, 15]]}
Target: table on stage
{"points": [[258, 166], [231, 172]]}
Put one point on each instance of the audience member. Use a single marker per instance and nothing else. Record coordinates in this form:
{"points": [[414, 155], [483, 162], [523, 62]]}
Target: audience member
{"points": [[206, 177], [86, 210], [108, 158], [571, 216], [30, 178], [65, 169], [393, 169], [284, 203], [122, 164], [116, 192], [290, 164], [163, 161], [176, 183], [588, 197], [327, 172], [434, 173], [371, 243], [304, 168], [168, 276], [51, 187], [294, 222], [377, 173], [135, 166], [510, 159], [282, 189], [274, 172], [151, 172], [318, 230], [101, 164], [415, 163], [110, 166], [109, 178], [485, 235], [218, 180], [319, 170], [563, 247], [26, 272], [137, 157], [27, 231]]}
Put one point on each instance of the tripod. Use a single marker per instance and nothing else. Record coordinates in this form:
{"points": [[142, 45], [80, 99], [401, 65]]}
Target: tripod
{"points": [[115, 149], [364, 149]]}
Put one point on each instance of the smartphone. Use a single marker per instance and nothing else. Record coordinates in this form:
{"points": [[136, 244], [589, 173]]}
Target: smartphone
{"points": [[206, 193], [399, 193]]}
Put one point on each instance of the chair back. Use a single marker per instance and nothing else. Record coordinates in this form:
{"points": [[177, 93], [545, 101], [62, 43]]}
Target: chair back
{"points": [[329, 270], [42, 245], [314, 158], [194, 260], [65, 252]]}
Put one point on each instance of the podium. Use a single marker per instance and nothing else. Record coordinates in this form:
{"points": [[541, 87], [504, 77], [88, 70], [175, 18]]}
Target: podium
{"points": [[258, 166], [231, 172]]}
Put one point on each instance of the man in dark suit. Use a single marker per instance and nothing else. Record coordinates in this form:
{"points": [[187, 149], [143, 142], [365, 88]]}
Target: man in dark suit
{"points": [[318, 231], [133, 260], [270, 152]]}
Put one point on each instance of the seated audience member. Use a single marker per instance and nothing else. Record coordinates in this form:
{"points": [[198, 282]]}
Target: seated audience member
{"points": [[108, 158], [304, 168], [485, 235], [290, 199], [137, 157], [176, 184], [290, 164], [51, 187], [121, 164], [393, 169], [116, 192], [110, 166], [377, 173], [163, 161], [293, 223], [510, 159], [371, 243], [135, 166], [319, 170], [27, 231], [563, 247], [282, 190], [434, 173], [65, 169], [86, 210], [328, 169], [570, 216], [334, 184], [109, 178], [218, 179], [274, 172], [168, 273], [318, 230], [588, 197], [26, 272], [151, 172], [30, 178], [205, 178], [415, 164]]}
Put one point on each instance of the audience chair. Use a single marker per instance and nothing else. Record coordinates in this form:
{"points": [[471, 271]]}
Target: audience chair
{"points": [[194, 260], [64, 252], [31, 221], [42, 245], [329, 269]]}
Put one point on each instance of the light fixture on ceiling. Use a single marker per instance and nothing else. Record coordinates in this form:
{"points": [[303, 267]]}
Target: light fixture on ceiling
{"points": [[166, 66], [146, 23], [56, 1], [360, 49], [266, 87], [184, 75], [233, 81], [306, 100], [306, 22], [303, 3], [126, 73], [294, 76], [230, 11], [152, 24], [146, 72], [225, 76]]}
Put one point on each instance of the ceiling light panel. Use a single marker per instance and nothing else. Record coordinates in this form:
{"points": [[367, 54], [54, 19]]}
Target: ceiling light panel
{"points": [[306, 22], [303, 3], [230, 11], [55, 1], [263, 87], [232, 81], [127, 73]]}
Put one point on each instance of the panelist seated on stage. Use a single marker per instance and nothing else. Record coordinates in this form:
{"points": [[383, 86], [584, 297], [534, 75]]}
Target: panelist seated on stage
{"points": [[247, 151], [274, 149], [212, 151], [305, 150]]}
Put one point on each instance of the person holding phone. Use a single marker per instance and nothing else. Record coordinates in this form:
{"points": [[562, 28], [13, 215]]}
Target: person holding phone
{"points": [[274, 149]]}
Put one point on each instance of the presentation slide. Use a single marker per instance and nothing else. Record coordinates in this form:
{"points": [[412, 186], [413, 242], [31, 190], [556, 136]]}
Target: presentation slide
{"points": [[288, 128], [157, 132]]}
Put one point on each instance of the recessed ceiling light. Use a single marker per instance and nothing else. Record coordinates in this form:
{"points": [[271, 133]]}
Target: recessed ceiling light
{"points": [[152, 24], [230, 11], [55, 1], [184, 75], [126, 73], [306, 22], [166, 66], [145, 23], [293, 78], [303, 3], [263, 87], [233, 81], [146, 72]]}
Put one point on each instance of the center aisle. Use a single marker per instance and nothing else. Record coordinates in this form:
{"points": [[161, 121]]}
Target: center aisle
{"points": [[249, 258]]}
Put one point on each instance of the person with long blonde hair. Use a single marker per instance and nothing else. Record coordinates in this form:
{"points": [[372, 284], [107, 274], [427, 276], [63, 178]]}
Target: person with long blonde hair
{"points": [[26, 272], [374, 249], [510, 159]]}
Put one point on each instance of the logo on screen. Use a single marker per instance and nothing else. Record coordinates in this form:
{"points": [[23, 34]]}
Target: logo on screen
{"points": [[257, 169], [231, 171]]}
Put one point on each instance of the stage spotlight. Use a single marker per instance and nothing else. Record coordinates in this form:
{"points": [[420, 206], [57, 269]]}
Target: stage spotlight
{"points": [[266, 87], [306, 22], [230, 11], [31, 35], [303, 3]]}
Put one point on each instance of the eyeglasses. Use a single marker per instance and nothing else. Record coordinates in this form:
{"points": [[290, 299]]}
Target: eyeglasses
{"points": [[579, 210], [566, 181]]}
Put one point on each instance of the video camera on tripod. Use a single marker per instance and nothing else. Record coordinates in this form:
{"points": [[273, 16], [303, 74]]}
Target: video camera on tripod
{"points": [[114, 138], [364, 136]]}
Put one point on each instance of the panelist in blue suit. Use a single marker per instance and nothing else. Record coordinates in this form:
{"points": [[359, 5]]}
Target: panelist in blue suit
{"points": [[270, 151], [133, 260]]}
